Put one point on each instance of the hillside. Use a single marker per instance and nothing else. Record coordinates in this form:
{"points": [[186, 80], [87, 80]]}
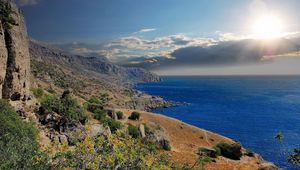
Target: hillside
{"points": [[54, 69], [185, 140]]}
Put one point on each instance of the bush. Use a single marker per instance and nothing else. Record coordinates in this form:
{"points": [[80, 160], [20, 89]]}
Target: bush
{"points": [[120, 115], [207, 152], [94, 100], [112, 124], [19, 148], [135, 116], [165, 145], [100, 114], [66, 107], [37, 92], [231, 151], [133, 131]]}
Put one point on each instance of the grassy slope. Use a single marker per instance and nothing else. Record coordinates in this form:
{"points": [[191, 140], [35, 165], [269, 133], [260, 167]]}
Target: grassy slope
{"points": [[186, 139]]}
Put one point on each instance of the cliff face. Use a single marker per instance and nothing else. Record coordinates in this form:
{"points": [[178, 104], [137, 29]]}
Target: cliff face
{"points": [[14, 55]]}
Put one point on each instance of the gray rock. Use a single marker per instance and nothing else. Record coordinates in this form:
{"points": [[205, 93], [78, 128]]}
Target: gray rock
{"points": [[157, 134], [107, 132], [14, 57], [97, 129], [112, 114], [142, 130], [63, 139]]}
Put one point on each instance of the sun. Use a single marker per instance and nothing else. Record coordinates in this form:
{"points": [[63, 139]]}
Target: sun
{"points": [[268, 27]]}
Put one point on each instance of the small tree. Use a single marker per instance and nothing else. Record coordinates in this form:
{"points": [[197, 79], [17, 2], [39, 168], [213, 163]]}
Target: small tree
{"points": [[120, 115], [134, 116], [133, 131]]}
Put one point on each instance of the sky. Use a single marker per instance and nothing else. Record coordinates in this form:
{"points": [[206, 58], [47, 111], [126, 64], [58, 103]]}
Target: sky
{"points": [[198, 37]]}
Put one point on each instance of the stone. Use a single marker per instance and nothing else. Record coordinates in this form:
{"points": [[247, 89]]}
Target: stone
{"points": [[63, 139], [97, 129], [157, 134], [268, 166], [112, 114], [14, 58], [142, 130], [107, 131]]}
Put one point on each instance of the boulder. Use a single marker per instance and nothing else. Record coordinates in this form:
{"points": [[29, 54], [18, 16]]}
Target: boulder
{"points": [[112, 114], [63, 139], [97, 129], [142, 130], [157, 134]]}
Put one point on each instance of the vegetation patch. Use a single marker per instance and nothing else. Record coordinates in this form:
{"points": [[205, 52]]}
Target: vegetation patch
{"points": [[120, 115], [231, 151], [19, 148], [133, 131], [134, 116], [37, 92], [66, 106]]}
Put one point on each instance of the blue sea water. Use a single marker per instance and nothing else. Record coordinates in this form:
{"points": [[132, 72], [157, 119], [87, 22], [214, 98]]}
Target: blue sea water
{"points": [[250, 109]]}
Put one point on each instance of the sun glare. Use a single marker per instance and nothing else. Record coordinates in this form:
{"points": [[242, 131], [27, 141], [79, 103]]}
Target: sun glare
{"points": [[267, 27]]}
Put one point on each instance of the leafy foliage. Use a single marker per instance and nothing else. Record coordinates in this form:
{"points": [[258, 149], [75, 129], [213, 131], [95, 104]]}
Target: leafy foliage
{"points": [[295, 157], [102, 100], [279, 136], [6, 15], [119, 151], [134, 116], [65, 106], [113, 124], [133, 131], [18, 146], [231, 151], [37, 92], [120, 115], [100, 114]]}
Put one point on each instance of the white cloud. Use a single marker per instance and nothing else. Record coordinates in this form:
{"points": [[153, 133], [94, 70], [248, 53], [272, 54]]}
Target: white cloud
{"points": [[145, 30]]}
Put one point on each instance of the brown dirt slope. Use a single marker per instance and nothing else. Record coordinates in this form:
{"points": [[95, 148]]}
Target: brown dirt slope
{"points": [[186, 139]]}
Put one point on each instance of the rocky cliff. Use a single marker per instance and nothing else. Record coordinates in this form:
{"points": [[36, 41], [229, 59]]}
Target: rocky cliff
{"points": [[14, 53]]}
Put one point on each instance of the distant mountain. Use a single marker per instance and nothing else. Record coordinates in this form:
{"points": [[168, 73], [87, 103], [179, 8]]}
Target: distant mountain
{"points": [[80, 64]]}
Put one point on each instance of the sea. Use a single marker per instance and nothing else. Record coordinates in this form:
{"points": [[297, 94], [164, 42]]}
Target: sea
{"points": [[250, 109]]}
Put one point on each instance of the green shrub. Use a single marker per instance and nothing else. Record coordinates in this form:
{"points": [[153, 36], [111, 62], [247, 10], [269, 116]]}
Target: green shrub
{"points": [[112, 124], [19, 148], [66, 107], [37, 92], [166, 147], [120, 115], [133, 131], [100, 114], [231, 151], [94, 100], [135, 116], [6, 15]]}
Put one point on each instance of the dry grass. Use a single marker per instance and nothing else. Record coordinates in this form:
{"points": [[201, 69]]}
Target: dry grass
{"points": [[186, 139]]}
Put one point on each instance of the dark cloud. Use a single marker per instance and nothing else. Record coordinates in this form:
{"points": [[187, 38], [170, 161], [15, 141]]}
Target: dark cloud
{"points": [[224, 53]]}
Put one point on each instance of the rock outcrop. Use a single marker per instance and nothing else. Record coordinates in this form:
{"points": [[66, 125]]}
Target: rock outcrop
{"points": [[14, 53]]}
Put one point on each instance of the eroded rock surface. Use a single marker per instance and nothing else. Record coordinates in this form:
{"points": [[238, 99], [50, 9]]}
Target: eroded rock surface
{"points": [[14, 56]]}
